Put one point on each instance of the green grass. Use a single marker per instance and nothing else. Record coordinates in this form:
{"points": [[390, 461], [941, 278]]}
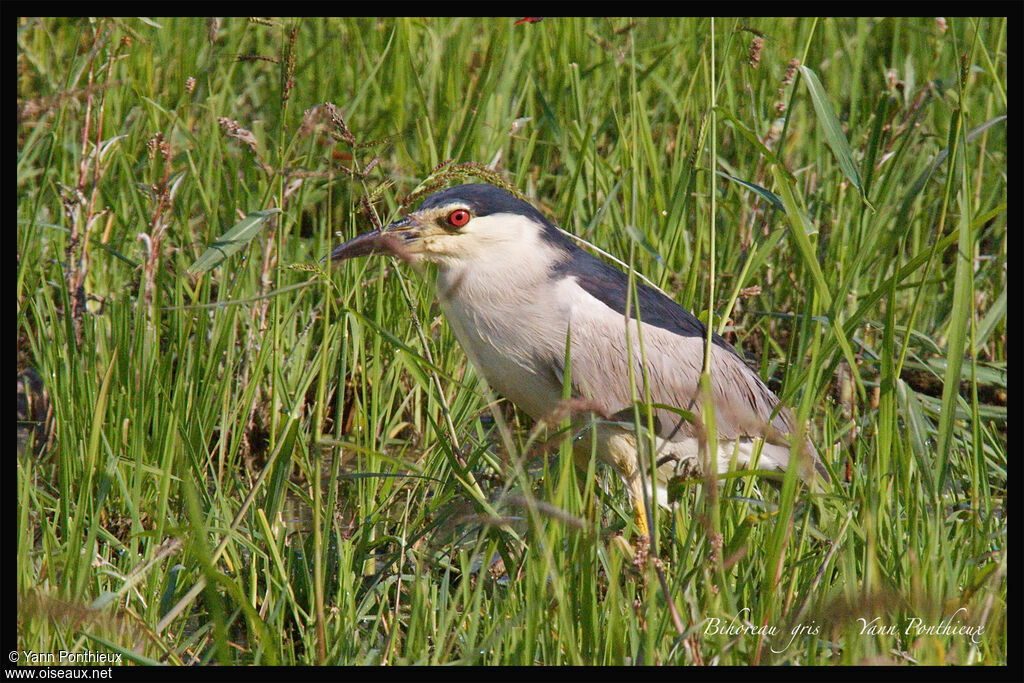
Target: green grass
{"points": [[255, 463]]}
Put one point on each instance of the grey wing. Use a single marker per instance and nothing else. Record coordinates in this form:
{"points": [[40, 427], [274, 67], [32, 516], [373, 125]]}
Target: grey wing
{"points": [[671, 354], [743, 405]]}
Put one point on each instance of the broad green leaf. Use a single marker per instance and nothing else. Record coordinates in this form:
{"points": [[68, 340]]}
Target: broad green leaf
{"points": [[749, 135], [963, 302], [127, 654], [641, 239], [993, 374], [232, 241], [960, 410], [770, 196], [833, 131], [764, 248], [996, 313], [940, 159], [801, 230]]}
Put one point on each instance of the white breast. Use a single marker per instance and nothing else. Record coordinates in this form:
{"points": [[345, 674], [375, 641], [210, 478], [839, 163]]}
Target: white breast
{"points": [[493, 340], [497, 309]]}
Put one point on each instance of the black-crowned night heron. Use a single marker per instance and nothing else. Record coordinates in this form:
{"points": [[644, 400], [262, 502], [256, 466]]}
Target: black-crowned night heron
{"points": [[513, 287]]}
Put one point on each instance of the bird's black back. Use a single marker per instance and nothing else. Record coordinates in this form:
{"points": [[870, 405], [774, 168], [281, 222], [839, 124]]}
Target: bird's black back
{"points": [[610, 286]]}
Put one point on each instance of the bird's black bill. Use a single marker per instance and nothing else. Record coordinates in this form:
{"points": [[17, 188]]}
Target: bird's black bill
{"points": [[373, 242], [388, 240]]}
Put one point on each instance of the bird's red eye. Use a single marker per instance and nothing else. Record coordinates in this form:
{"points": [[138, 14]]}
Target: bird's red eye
{"points": [[458, 218]]}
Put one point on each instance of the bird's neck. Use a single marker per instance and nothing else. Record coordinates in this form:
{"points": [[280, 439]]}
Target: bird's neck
{"points": [[499, 279]]}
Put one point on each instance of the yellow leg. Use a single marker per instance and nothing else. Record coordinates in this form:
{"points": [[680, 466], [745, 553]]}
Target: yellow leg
{"points": [[640, 518], [617, 447], [639, 511]]}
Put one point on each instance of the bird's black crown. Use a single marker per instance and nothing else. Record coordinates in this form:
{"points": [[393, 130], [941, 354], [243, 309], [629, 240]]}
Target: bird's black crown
{"points": [[485, 200]]}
